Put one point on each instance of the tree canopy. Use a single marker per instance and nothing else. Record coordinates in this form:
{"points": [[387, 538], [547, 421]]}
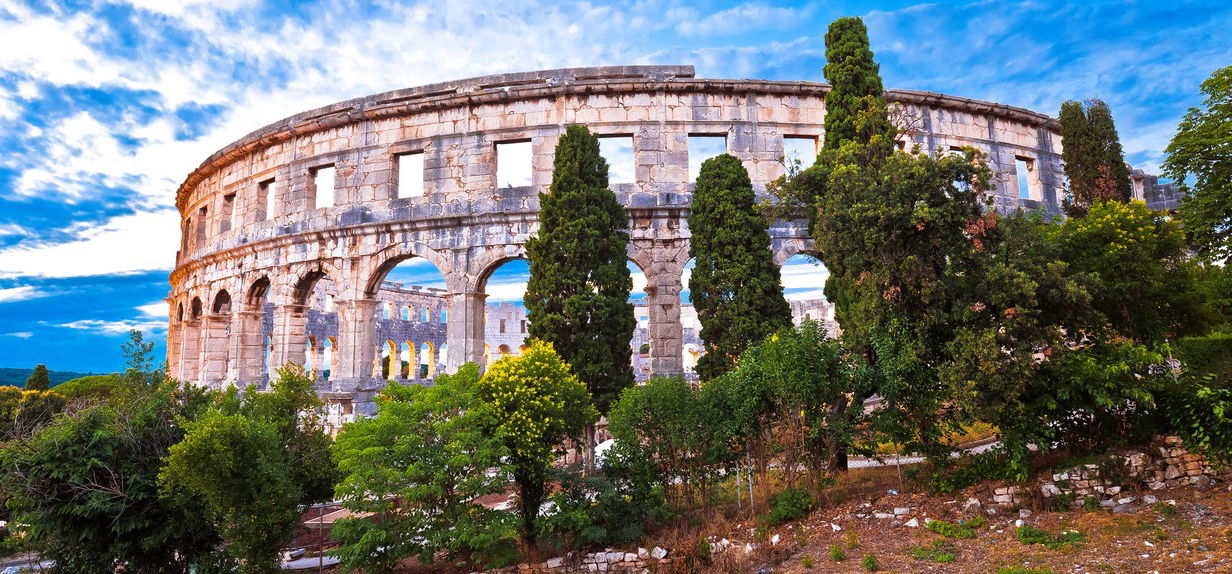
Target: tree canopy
{"points": [[1094, 162], [1202, 150]]}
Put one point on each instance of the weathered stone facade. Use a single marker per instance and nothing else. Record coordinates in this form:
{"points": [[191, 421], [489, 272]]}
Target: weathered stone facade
{"points": [[254, 237]]}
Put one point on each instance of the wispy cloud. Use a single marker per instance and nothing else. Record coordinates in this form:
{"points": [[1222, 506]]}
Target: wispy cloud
{"points": [[20, 334], [115, 327], [22, 293]]}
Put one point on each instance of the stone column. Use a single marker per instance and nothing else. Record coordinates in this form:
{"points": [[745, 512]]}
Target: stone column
{"points": [[190, 350], [290, 334], [664, 331], [352, 367], [214, 330], [173, 348], [248, 347], [464, 329]]}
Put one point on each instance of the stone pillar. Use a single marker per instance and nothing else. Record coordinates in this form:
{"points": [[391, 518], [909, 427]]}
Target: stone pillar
{"points": [[290, 334], [352, 368], [214, 347], [248, 347], [190, 350], [173, 348], [664, 331], [464, 329]]}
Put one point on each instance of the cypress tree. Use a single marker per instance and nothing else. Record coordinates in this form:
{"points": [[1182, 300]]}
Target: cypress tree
{"points": [[735, 286], [855, 85], [1094, 161], [39, 380], [577, 297]]}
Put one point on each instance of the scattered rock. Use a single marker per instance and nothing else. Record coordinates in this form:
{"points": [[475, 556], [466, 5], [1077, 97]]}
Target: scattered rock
{"points": [[1018, 523], [1122, 509], [913, 523], [901, 510], [774, 540], [658, 553], [835, 527], [973, 505], [1149, 499], [1024, 513]]}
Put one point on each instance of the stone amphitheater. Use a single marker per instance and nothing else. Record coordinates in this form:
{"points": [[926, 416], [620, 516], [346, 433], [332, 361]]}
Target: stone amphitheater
{"points": [[290, 232]]}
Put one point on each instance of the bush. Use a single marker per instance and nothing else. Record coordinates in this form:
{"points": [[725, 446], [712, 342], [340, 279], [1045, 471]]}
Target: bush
{"points": [[969, 470], [941, 551], [610, 508], [1211, 354], [791, 504], [837, 554], [870, 563], [960, 530]]}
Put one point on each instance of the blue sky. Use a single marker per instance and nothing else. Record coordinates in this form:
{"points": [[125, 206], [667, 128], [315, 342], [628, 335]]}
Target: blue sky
{"points": [[105, 106]]}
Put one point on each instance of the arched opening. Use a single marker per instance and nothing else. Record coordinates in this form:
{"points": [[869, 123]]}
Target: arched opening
{"points": [[222, 303], [804, 279], [327, 362], [309, 319], [409, 291], [196, 308], [179, 312], [639, 345], [255, 325], [310, 348], [692, 345], [255, 300], [506, 325], [427, 361]]}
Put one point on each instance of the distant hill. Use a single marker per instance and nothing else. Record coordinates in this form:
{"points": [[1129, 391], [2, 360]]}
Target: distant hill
{"points": [[17, 377]]}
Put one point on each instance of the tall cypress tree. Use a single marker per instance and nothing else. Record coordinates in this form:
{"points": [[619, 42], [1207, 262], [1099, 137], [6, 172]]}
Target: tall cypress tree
{"points": [[577, 297], [735, 286], [1094, 161], [38, 380], [855, 85]]}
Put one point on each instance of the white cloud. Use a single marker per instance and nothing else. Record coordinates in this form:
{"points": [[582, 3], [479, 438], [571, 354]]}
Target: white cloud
{"points": [[20, 334], [13, 230], [126, 244], [155, 309], [741, 18], [115, 327], [22, 293]]}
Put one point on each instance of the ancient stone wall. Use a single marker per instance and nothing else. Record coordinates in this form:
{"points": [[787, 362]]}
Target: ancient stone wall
{"points": [[257, 231]]}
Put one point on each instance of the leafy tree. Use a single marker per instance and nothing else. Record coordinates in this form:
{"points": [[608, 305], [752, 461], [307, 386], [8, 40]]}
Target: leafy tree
{"points": [[735, 285], [85, 487], [24, 412], [38, 380], [1094, 162], [1202, 150], [667, 424], [577, 297], [1145, 286], [532, 403], [416, 468], [139, 358], [100, 386], [806, 374], [256, 461], [902, 236]]}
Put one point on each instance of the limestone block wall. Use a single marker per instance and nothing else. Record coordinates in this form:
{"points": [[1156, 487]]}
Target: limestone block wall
{"points": [[257, 228]]}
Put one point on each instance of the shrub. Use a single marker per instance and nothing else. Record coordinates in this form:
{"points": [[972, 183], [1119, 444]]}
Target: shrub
{"points": [[870, 563], [837, 554], [969, 470], [960, 530], [941, 551], [806, 562], [791, 504]]}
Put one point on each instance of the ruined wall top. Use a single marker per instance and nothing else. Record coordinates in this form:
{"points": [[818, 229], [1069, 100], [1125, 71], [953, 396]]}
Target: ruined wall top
{"points": [[504, 88]]}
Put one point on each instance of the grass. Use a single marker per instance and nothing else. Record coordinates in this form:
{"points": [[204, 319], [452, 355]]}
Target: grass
{"points": [[957, 530], [870, 563], [941, 551], [837, 554], [1031, 535]]}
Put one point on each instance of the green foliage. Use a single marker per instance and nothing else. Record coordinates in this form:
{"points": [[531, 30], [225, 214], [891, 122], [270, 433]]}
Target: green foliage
{"points": [[952, 530], [38, 380], [855, 82], [1164, 509], [610, 508], [970, 470], [532, 403], [1023, 570], [1200, 410], [89, 386], [411, 474], [86, 486], [870, 563], [139, 360], [1199, 153], [256, 461], [1090, 504], [836, 553], [940, 551], [735, 285], [577, 297], [673, 429], [806, 561], [1028, 534], [790, 504], [1094, 162], [1208, 354], [24, 412]]}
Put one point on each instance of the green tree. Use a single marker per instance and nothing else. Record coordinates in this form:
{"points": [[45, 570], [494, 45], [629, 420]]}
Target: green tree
{"points": [[1202, 150], [735, 285], [139, 360], [577, 297], [39, 380], [416, 468], [855, 86], [533, 403], [1094, 162], [256, 461], [85, 487]]}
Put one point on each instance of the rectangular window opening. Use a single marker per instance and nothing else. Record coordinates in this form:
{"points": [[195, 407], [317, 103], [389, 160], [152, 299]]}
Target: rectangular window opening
{"points": [[523, 326], [323, 183], [266, 189], [618, 151], [514, 164], [1022, 167], [201, 219], [703, 147], [410, 174], [228, 212], [802, 149], [502, 325]]}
